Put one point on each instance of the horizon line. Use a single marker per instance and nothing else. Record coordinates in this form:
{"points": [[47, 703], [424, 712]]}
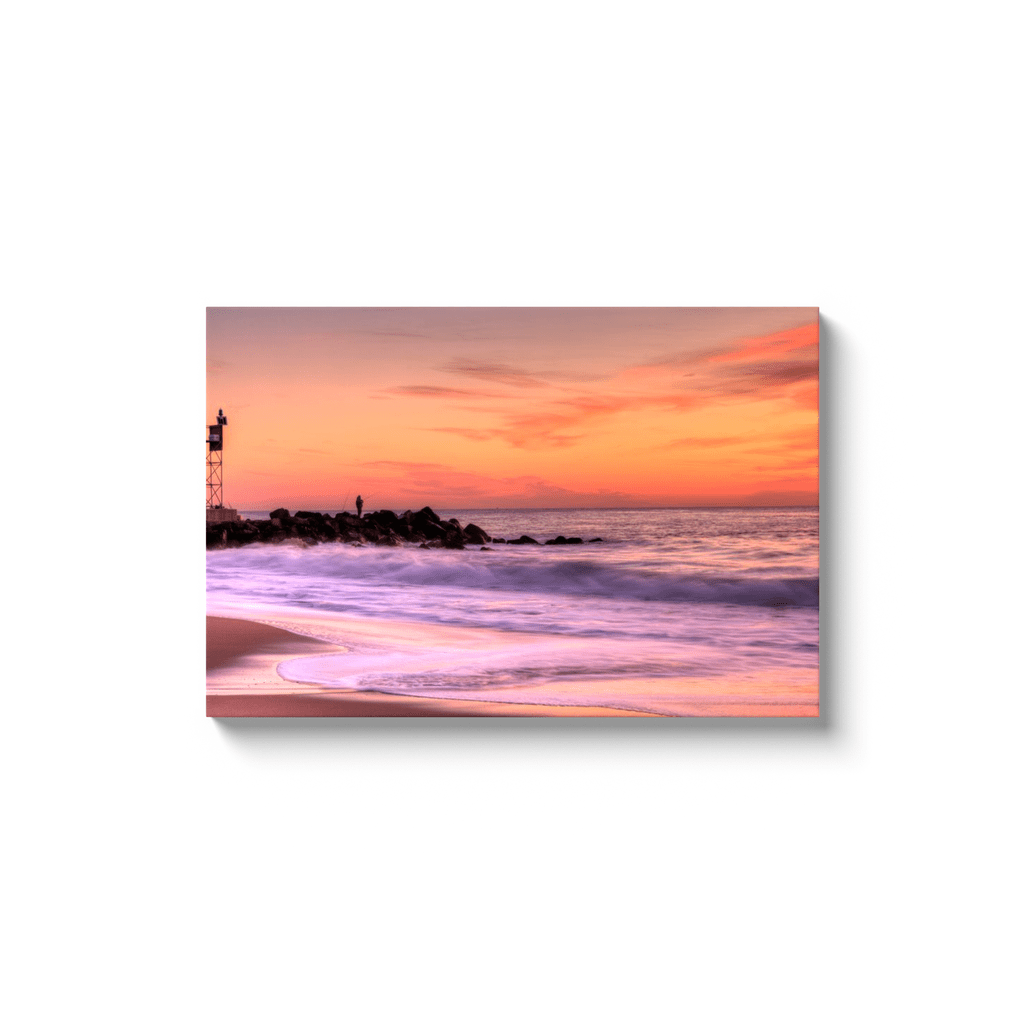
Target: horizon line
{"points": [[563, 508]]}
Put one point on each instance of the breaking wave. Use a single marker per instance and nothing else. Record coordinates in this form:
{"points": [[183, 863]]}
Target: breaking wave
{"points": [[299, 573]]}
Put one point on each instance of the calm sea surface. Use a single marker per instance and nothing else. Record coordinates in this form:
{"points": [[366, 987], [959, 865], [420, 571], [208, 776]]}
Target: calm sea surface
{"points": [[672, 606]]}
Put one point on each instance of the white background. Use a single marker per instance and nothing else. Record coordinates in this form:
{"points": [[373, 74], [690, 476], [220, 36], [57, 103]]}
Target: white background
{"points": [[862, 158]]}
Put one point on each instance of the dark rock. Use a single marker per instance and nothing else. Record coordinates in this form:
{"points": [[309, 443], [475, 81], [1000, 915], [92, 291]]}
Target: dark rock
{"points": [[385, 517], [427, 525], [475, 535], [425, 528], [454, 538], [429, 530], [595, 540]]}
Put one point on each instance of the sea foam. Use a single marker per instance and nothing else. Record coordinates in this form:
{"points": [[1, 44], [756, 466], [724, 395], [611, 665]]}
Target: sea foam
{"points": [[305, 571]]}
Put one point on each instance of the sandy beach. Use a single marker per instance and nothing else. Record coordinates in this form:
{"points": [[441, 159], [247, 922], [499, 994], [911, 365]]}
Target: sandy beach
{"points": [[242, 682]]}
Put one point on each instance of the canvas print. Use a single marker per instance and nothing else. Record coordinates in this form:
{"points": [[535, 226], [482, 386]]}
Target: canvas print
{"points": [[512, 512]]}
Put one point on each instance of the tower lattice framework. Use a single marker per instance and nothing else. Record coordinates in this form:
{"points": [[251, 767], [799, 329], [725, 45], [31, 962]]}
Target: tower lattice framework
{"points": [[214, 478], [215, 462]]}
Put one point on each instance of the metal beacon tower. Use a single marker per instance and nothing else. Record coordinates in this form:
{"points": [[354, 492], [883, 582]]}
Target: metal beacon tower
{"points": [[215, 510]]}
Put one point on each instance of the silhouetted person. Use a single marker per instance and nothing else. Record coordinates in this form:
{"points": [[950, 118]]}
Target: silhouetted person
{"points": [[359, 506]]}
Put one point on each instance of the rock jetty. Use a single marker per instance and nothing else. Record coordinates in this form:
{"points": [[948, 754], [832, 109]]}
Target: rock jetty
{"points": [[425, 528]]}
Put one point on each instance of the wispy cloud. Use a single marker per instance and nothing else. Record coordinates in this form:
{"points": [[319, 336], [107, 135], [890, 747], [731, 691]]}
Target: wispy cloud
{"points": [[469, 433], [497, 373], [534, 414], [401, 464], [800, 340], [432, 482], [698, 441], [763, 377], [432, 391], [784, 365], [803, 439], [502, 374], [394, 334]]}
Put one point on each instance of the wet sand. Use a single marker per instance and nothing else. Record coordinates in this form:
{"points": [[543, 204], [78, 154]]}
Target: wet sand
{"points": [[229, 640], [243, 682]]}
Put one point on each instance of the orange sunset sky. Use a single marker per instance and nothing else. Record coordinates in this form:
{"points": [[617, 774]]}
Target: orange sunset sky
{"points": [[512, 408]]}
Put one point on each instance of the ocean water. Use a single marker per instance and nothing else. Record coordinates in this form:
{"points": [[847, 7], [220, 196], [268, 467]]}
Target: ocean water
{"points": [[673, 610]]}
